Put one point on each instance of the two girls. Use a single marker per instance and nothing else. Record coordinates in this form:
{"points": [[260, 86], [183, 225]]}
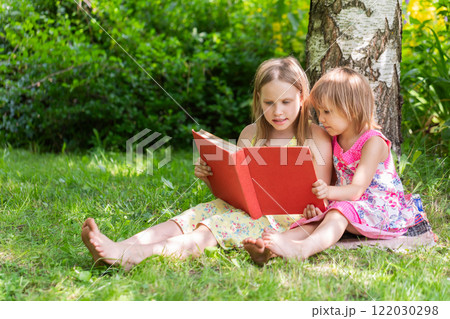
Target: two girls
{"points": [[368, 198], [281, 118]]}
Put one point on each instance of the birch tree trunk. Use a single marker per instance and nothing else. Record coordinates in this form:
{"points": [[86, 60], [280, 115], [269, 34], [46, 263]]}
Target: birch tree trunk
{"points": [[366, 36]]}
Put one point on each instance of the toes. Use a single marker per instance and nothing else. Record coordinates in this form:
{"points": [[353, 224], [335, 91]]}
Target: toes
{"points": [[90, 222], [249, 241], [259, 243], [95, 237], [270, 246], [266, 236], [87, 222], [94, 243], [269, 231]]}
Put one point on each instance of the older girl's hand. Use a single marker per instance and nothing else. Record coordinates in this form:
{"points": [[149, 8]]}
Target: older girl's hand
{"points": [[202, 170], [320, 189], [311, 211]]}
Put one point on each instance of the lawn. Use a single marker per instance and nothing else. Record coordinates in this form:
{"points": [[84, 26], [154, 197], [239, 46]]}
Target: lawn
{"points": [[44, 199]]}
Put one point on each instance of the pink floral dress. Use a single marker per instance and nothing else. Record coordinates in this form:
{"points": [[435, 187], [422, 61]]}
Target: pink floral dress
{"points": [[383, 211]]}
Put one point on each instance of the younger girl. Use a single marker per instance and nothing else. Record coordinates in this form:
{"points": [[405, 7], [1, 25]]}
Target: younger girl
{"points": [[280, 88], [368, 198]]}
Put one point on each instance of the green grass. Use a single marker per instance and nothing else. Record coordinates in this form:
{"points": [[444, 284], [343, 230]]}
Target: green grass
{"points": [[44, 199]]}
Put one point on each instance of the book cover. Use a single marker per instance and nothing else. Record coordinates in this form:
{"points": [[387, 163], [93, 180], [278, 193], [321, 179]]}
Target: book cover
{"points": [[272, 180]]}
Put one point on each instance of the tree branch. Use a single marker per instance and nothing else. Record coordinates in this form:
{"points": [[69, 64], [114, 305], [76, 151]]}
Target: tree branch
{"points": [[38, 83]]}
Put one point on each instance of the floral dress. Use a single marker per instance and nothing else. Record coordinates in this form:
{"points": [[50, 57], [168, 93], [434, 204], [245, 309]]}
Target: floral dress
{"points": [[383, 211]]}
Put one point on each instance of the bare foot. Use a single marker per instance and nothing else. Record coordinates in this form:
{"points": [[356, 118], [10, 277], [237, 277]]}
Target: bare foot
{"points": [[105, 250], [257, 250], [282, 245], [85, 230]]}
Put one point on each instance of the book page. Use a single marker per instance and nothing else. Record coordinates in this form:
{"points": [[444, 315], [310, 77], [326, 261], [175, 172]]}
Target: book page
{"points": [[230, 147]]}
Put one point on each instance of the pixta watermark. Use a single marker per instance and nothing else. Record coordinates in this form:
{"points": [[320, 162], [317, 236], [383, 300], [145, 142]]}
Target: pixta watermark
{"points": [[150, 143]]}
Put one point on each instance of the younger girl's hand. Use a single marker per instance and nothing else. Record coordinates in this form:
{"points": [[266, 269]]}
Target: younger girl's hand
{"points": [[311, 211], [320, 189], [202, 170]]}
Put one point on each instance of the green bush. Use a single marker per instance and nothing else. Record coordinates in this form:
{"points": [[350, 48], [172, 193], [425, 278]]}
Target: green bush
{"points": [[65, 78], [66, 84]]}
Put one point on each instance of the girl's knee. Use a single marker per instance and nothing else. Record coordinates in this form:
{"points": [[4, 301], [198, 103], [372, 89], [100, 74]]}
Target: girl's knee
{"points": [[336, 216], [202, 229], [334, 213], [206, 236]]}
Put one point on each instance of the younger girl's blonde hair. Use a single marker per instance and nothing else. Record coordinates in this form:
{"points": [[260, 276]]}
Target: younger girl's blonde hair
{"points": [[290, 71], [348, 92]]}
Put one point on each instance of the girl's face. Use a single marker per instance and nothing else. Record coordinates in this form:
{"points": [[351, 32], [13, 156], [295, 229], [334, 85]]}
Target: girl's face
{"points": [[280, 102], [334, 121]]}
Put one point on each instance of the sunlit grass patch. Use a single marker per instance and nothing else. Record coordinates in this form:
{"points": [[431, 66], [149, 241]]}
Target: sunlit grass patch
{"points": [[46, 197]]}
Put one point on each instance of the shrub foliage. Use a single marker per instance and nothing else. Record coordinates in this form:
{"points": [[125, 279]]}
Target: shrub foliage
{"points": [[425, 76], [76, 78], [190, 65]]}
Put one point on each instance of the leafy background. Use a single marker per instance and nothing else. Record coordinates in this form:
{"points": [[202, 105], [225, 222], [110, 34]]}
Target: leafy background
{"points": [[425, 76], [67, 85]]}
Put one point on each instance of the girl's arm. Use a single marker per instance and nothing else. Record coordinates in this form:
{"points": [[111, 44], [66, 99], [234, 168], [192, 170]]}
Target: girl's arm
{"points": [[323, 154], [323, 162], [373, 152]]}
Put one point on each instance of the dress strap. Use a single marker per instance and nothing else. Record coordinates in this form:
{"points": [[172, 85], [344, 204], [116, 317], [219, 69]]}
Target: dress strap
{"points": [[368, 134], [354, 153]]}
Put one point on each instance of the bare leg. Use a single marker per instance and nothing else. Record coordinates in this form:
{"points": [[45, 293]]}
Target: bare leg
{"points": [[155, 234], [190, 244], [106, 251], [257, 247], [298, 233], [128, 254], [327, 233]]}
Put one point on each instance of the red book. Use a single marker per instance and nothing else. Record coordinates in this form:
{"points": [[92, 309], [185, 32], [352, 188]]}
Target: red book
{"points": [[273, 180]]}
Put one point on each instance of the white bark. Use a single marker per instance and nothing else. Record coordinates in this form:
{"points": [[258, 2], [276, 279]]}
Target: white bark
{"points": [[355, 25], [364, 35]]}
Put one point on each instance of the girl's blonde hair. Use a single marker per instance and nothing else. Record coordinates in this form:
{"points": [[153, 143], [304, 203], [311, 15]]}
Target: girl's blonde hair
{"points": [[348, 92], [290, 71]]}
